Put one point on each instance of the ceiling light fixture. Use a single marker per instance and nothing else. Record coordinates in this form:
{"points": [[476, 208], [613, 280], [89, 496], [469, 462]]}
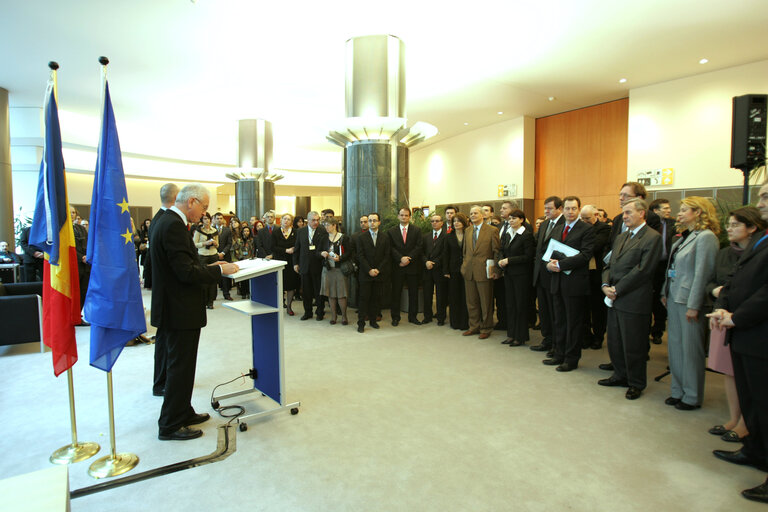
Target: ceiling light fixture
{"points": [[500, 113], [703, 61], [622, 80], [551, 98], [466, 124]]}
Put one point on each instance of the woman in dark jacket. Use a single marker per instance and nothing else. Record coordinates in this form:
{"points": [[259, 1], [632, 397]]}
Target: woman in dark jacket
{"points": [[517, 248], [334, 284], [457, 300], [283, 240]]}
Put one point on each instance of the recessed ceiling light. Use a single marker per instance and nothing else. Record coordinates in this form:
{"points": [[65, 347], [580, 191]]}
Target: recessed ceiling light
{"points": [[703, 61], [622, 80], [499, 112], [466, 124], [551, 98]]}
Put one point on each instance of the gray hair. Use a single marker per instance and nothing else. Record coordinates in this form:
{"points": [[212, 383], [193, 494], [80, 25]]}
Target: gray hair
{"points": [[193, 190], [168, 193], [640, 204], [589, 208], [312, 214]]}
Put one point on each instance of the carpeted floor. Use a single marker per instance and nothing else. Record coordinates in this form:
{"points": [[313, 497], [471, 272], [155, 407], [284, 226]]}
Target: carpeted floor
{"points": [[413, 418]]}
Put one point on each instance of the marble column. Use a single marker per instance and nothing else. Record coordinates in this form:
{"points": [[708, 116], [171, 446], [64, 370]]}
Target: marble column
{"points": [[254, 196]]}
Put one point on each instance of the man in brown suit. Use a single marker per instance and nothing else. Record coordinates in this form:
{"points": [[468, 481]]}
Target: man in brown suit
{"points": [[481, 243]]}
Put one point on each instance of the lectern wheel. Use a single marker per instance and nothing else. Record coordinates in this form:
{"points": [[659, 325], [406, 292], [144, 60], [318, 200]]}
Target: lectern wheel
{"points": [[295, 411], [243, 427]]}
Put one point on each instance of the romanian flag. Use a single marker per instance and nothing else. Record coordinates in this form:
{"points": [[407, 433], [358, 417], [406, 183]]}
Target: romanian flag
{"points": [[52, 231], [113, 305]]}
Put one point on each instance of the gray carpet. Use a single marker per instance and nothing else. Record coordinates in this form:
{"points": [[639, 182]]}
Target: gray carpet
{"points": [[408, 418]]}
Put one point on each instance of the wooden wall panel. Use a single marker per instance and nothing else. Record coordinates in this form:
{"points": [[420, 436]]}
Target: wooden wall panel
{"points": [[583, 153]]}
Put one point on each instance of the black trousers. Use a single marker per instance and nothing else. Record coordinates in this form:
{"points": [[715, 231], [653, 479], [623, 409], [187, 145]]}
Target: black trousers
{"points": [[32, 272], [517, 289], [568, 326], [368, 300], [84, 274], [597, 314], [181, 360], [161, 349], [210, 289], [499, 297], [434, 284], [458, 300], [310, 290], [399, 278], [751, 376], [546, 310], [659, 311], [628, 346]]}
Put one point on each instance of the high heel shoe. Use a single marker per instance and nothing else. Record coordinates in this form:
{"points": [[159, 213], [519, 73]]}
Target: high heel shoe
{"points": [[344, 321], [333, 322], [290, 312]]}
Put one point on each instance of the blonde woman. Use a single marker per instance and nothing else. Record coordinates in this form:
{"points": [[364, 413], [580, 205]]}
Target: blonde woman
{"points": [[690, 268], [283, 241]]}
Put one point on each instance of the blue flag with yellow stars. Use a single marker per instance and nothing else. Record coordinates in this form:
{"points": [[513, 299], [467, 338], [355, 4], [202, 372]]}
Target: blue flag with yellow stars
{"points": [[113, 304]]}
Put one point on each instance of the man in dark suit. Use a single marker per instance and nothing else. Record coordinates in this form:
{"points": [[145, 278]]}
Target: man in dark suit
{"points": [[741, 308], [310, 241], [178, 307], [553, 210], [33, 259], [434, 281], [627, 282], [168, 193], [225, 250], [570, 286], [373, 255], [667, 231], [629, 190], [596, 317], [406, 247], [265, 244], [81, 248], [481, 243]]}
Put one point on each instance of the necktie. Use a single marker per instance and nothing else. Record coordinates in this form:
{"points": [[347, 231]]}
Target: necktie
{"points": [[474, 235], [504, 230], [663, 240], [449, 229], [434, 237], [270, 230], [311, 234], [373, 234], [549, 228], [565, 232], [405, 232]]}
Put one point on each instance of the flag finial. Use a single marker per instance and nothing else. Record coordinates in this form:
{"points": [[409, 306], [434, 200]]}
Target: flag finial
{"points": [[53, 65], [103, 60]]}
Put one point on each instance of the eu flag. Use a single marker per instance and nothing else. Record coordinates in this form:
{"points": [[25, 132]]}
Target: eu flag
{"points": [[113, 304], [52, 230]]}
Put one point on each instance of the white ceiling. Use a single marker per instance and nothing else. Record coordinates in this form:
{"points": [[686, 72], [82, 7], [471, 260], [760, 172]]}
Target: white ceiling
{"points": [[183, 73]]}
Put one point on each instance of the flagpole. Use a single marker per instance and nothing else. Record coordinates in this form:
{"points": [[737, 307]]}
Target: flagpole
{"points": [[74, 452], [115, 463]]}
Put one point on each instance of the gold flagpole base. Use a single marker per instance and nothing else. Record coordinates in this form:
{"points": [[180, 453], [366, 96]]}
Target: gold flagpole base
{"points": [[74, 453], [108, 466]]}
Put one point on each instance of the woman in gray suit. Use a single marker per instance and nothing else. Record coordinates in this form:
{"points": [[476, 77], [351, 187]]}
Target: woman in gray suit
{"points": [[690, 267]]}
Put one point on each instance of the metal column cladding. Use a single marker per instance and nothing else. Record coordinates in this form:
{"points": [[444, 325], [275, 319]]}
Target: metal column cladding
{"points": [[375, 81], [6, 186], [254, 196]]}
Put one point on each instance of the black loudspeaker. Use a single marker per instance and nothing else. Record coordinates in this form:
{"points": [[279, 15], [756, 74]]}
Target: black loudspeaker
{"points": [[748, 131]]}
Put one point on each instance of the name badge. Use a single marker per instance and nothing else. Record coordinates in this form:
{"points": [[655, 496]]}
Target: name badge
{"points": [[311, 247], [671, 273]]}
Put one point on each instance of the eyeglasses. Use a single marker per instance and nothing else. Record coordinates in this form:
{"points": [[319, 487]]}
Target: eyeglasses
{"points": [[433, 221]]}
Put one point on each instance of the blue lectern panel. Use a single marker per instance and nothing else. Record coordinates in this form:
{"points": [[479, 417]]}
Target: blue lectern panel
{"points": [[266, 354], [263, 289]]}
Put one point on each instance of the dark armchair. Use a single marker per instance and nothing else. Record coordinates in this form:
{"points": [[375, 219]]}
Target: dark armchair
{"points": [[21, 313]]}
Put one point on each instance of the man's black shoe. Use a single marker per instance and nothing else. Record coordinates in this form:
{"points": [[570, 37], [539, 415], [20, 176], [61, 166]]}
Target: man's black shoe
{"points": [[656, 340], [158, 393], [759, 493], [441, 323], [374, 325], [360, 327], [606, 366], [198, 419], [426, 321], [395, 322], [633, 393], [183, 434], [740, 458], [540, 348], [566, 367], [319, 318], [416, 322], [613, 381], [228, 297], [306, 316], [552, 362]]}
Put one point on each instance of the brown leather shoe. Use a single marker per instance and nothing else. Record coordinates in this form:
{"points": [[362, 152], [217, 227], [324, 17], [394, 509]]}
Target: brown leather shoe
{"points": [[484, 336], [468, 333]]}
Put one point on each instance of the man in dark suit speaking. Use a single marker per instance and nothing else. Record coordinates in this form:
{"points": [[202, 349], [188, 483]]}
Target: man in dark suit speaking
{"points": [[178, 307], [628, 282]]}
